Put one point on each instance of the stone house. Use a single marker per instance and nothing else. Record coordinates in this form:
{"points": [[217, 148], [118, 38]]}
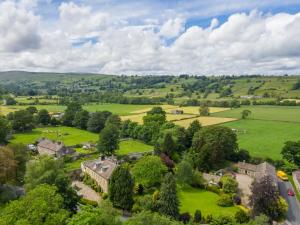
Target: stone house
{"points": [[177, 111], [258, 171], [100, 170], [56, 149]]}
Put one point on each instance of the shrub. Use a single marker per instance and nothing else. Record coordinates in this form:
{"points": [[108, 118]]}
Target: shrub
{"points": [[88, 202], [91, 183], [213, 189], [225, 200], [197, 216], [198, 180], [241, 216], [104, 196], [237, 200], [185, 217], [139, 189]]}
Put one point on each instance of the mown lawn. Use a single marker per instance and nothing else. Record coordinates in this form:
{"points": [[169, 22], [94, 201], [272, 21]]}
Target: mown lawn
{"points": [[277, 113], [132, 146], [192, 199], [264, 138], [68, 135]]}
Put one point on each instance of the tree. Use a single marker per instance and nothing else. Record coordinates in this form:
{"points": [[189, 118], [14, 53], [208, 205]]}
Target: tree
{"points": [[113, 120], [184, 173], [213, 145], [204, 111], [155, 115], [105, 214], [70, 112], [149, 218], [241, 216], [168, 144], [193, 128], [40, 206], [97, 120], [10, 100], [245, 113], [81, 119], [5, 129], [32, 109], [108, 140], [168, 200], [47, 170], [43, 117], [121, 188], [229, 184], [291, 152], [22, 121], [265, 199], [197, 216], [8, 165], [149, 171]]}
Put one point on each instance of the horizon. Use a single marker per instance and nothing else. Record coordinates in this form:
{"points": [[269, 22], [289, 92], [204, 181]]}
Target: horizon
{"points": [[151, 37]]}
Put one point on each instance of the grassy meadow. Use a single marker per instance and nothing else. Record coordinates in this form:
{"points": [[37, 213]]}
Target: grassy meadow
{"points": [[192, 199], [132, 146], [204, 120], [265, 138]]}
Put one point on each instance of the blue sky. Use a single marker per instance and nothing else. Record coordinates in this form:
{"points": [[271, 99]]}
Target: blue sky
{"points": [[151, 36]]}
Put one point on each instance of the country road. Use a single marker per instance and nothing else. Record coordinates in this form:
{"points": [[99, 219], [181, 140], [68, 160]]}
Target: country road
{"points": [[293, 214]]}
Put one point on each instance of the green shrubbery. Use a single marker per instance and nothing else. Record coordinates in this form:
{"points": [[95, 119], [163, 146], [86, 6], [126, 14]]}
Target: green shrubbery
{"points": [[92, 183]]}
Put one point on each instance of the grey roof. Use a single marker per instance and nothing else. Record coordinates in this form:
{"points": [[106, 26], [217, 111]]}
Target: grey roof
{"points": [[247, 166], [51, 145], [103, 168], [260, 170]]}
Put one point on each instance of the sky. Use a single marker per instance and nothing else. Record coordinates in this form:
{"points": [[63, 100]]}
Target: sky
{"points": [[199, 37]]}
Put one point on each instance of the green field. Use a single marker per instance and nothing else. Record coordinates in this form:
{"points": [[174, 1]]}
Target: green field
{"points": [[131, 146], [120, 109], [278, 113], [192, 199], [68, 135], [265, 138]]}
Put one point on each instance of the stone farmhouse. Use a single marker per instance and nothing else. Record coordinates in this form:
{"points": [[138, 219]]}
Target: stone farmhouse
{"points": [[258, 171], [100, 170], [177, 111], [56, 149]]}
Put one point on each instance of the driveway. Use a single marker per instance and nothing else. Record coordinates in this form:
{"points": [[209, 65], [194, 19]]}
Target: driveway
{"points": [[244, 182], [293, 214], [85, 191]]}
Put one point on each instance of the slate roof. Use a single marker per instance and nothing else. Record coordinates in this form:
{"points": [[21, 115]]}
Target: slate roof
{"points": [[103, 168], [51, 145]]}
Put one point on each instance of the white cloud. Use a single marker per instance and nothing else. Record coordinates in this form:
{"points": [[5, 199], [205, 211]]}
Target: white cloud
{"points": [[18, 28], [172, 28], [244, 44]]}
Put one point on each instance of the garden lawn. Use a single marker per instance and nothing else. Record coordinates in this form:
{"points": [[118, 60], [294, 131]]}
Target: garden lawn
{"points": [[277, 113], [192, 199], [68, 135], [265, 138], [77, 164], [133, 146]]}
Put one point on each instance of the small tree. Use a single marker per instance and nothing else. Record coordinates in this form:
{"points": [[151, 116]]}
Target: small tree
{"points": [[80, 119], [291, 152], [108, 140], [43, 117], [168, 144], [230, 185], [204, 111], [184, 173], [4, 129], [197, 216], [245, 113], [121, 188], [168, 200]]}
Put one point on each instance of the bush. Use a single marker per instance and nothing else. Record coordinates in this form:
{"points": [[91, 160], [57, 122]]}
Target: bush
{"points": [[241, 216], [225, 200], [139, 189], [237, 200], [213, 189], [197, 216], [91, 183], [198, 180], [185, 217], [88, 202], [104, 196]]}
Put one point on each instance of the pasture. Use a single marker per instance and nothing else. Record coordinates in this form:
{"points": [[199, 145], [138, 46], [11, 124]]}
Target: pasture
{"points": [[195, 109], [68, 135], [204, 120], [192, 199], [265, 138], [277, 113]]}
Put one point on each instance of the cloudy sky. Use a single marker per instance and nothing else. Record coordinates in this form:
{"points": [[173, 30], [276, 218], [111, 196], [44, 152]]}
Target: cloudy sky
{"points": [[151, 36]]}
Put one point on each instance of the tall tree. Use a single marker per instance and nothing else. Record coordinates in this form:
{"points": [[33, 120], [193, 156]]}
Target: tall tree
{"points": [[40, 206], [204, 111], [121, 188], [245, 113], [43, 117], [4, 129], [168, 200], [265, 199], [81, 119], [72, 109], [168, 144], [22, 121], [47, 170], [184, 173], [8, 166], [193, 128], [108, 140], [97, 120], [113, 120], [291, 152]]}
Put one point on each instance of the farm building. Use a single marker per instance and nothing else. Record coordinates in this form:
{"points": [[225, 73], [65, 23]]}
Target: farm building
{"points": [[177, 111], [56, 149], [100, 170], [211, 179], [258, 171]]}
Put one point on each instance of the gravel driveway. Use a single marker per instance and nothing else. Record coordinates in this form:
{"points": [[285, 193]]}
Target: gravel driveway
{"points": [[85, 191], [244, 187]]}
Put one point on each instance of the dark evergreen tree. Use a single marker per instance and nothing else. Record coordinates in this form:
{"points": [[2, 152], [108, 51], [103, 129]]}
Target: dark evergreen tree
{"points": [[4, 129], [108, 140], [168, 201], [121, 188], [194, 127], [168, 145]]}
